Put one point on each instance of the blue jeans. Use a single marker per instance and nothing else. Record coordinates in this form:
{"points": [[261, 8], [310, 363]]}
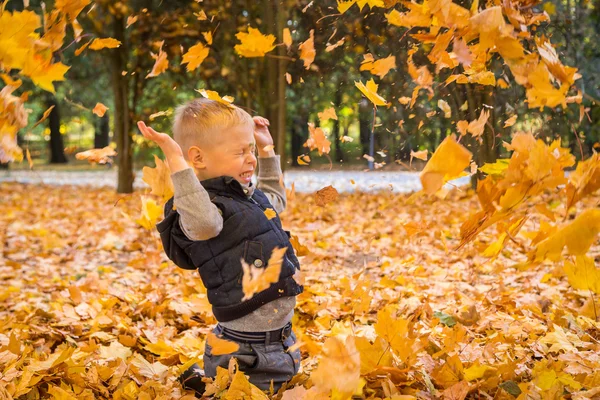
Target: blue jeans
{"points": [[261, 362]]}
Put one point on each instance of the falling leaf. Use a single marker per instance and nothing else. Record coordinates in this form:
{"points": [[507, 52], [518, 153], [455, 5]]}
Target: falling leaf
{"points": [[342, 357], [584, 274], [328, 113], [211, 94], [221, 346], [380, 67], [257, 279], [195, 56], [307, 50], [44, 116], [303, 159], [511, 121], [317, 140], [100, 156], [100, 109], [161, 63], [476, 127], [421, 155], [108, 43], [370, 92], [150, 214], [462, 126], [287, 37], [326, 195], [254, 43], [132, 19], [159, 179], [442, 105], [448, 162]]}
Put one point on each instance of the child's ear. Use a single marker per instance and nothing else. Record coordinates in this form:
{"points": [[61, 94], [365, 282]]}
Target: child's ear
{"points": [[196, 157]]}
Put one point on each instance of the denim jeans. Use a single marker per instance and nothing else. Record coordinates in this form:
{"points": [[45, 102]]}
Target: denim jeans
{"points": [[261, 362]]}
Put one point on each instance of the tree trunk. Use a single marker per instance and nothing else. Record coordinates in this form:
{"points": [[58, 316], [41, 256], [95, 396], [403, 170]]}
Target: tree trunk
{"points": [[339, 155], [101, 138], [57, 148], [122, 119], [280, 17], [364, 115]]}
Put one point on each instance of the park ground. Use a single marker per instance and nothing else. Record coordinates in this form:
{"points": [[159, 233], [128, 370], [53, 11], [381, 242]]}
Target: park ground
{"points": [[90, 305]]}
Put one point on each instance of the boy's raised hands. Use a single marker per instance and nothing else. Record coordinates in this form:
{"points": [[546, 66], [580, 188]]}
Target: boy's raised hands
{"points": [[262, 136], [172, 150]]}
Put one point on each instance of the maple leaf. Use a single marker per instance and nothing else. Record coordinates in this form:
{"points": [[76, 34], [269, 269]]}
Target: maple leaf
{"points": [[43, 72], [106, 43], [447, 162], [561, 340], [159, 179], [100, 109], [317, 140], [71, 8], [307, 50], [380, 67], [195, 56], [100, 156], [221, 346], [241, 388], [476, 126], [370, 92], [161, 64], [156, 370], [510, 122], [253, 43], [150, 214], [584, 180], [341, 357], [211, 94], [584, 274], [257, 279], [328, 113]]}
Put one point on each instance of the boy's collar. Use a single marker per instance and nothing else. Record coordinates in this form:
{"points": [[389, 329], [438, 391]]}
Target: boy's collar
{"points": [[228, 183]]}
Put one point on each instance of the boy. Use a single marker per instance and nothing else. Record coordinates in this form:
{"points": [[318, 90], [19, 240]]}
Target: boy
{"points": [[218, 219]]}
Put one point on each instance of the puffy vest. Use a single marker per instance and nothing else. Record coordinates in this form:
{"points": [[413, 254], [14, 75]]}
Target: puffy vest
{"points": [[247, 233]]}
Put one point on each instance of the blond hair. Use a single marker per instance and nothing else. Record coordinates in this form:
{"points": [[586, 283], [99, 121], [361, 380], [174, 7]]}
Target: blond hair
{"points": [[196, 122]]}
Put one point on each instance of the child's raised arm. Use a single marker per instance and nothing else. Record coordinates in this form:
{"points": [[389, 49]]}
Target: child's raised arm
{"points": [[269, 167]]}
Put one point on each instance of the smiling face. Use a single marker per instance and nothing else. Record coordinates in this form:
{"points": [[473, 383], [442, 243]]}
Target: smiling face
{"points": [[233, 153]]}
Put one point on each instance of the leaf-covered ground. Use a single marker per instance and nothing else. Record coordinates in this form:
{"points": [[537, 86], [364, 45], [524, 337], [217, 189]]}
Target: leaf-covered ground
{"points": [[90, 307]]}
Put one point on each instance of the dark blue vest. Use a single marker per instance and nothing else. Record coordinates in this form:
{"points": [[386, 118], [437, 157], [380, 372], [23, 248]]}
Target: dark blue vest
{"points": [[247, 233]]}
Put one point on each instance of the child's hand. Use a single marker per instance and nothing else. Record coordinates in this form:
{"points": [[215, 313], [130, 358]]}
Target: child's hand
{"points": [[166, 143], [262, 136]]}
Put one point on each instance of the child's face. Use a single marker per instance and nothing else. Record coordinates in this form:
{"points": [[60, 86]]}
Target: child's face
{"points": [[233, 155]]}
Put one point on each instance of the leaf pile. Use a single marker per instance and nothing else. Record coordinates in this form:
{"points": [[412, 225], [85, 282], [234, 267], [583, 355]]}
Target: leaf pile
{"points": [[90, 307]]}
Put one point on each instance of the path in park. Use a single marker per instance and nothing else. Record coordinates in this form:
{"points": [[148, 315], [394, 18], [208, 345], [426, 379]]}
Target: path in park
{"points": [[305, 181]]}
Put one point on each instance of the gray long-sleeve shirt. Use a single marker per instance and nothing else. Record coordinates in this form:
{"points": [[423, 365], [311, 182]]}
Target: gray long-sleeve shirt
{"points": [[200, 219]]}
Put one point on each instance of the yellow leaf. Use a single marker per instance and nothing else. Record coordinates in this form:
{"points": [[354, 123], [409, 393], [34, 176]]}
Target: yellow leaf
{"points": [[373, 355], [108, 43], [328, 113], [462, 126], [583, 275], [307, 50], [151, 212], [550, 8], [156, 370], [241, 388], [161, 63], [561, 340], [71, 8], [445, 107], [578, 236], [270, 213], [211, 94], [195, 56], [342, 357], [476, 127], [221, 346], [380, 67], [100, 109], [476, 371], [159, 179], [421, 155], [256, 279], [511, 121], [43, 74], [370, 92], [254, 43], [287, 37], [448, 162]]}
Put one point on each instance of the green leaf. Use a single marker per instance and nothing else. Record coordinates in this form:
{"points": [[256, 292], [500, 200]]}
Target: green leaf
{"points": [[446, 319], [511, 387]]}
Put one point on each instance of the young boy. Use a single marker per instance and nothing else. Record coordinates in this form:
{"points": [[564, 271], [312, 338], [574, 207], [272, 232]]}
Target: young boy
{"points": [[215, 219]]}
